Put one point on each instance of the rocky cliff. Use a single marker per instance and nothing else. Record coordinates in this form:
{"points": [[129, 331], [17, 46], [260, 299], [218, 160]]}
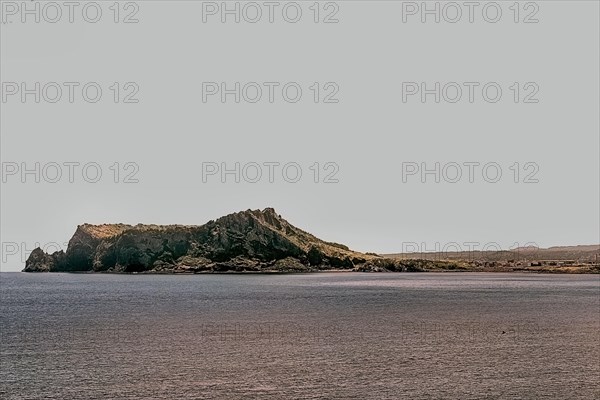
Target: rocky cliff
{"points": [[251, 240]]}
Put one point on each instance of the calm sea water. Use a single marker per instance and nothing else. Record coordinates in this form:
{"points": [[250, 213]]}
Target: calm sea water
{"points": [[315, 336]]}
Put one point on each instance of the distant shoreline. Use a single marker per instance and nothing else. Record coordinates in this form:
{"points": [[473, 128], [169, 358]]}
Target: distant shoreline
{"points": [[584, 270]]}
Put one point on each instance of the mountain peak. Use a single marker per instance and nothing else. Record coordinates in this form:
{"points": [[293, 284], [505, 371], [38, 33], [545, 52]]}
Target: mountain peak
{"points": [[269, 211], [266, 213]]}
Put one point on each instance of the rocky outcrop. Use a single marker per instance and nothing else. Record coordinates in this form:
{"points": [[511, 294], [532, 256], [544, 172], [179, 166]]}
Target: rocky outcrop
{"points": [[262, 241], [252, 240], [39, 261]]}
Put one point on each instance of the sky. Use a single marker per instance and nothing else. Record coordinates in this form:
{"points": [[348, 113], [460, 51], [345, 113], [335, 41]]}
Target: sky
{"points": [[378, 131]]}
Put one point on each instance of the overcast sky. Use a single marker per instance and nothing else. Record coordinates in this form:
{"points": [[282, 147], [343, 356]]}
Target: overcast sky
{"points": [[360, 117]]}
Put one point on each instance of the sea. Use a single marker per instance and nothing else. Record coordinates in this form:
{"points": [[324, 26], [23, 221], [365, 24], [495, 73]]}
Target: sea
{"points": [[330, 335]]}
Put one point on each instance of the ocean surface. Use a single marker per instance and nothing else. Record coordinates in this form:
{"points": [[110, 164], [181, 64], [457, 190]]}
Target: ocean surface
{"points": [[309, 336]]}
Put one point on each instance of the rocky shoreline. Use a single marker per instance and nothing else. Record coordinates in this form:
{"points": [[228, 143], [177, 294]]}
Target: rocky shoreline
{"points": [[251, 241], [247, 241]]}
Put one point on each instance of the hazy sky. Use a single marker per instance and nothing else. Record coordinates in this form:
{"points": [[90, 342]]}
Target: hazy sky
{"points": [[368, 126]]}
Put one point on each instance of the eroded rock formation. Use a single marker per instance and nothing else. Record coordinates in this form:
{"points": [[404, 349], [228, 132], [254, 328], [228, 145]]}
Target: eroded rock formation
{"points": [[251, 240]]}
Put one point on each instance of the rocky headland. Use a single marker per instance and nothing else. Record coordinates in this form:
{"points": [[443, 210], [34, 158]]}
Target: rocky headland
{"points": [[247, 241]]}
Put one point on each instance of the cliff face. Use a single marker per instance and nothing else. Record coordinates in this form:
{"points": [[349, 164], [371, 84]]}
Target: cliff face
{"points": [[251, 240]]}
